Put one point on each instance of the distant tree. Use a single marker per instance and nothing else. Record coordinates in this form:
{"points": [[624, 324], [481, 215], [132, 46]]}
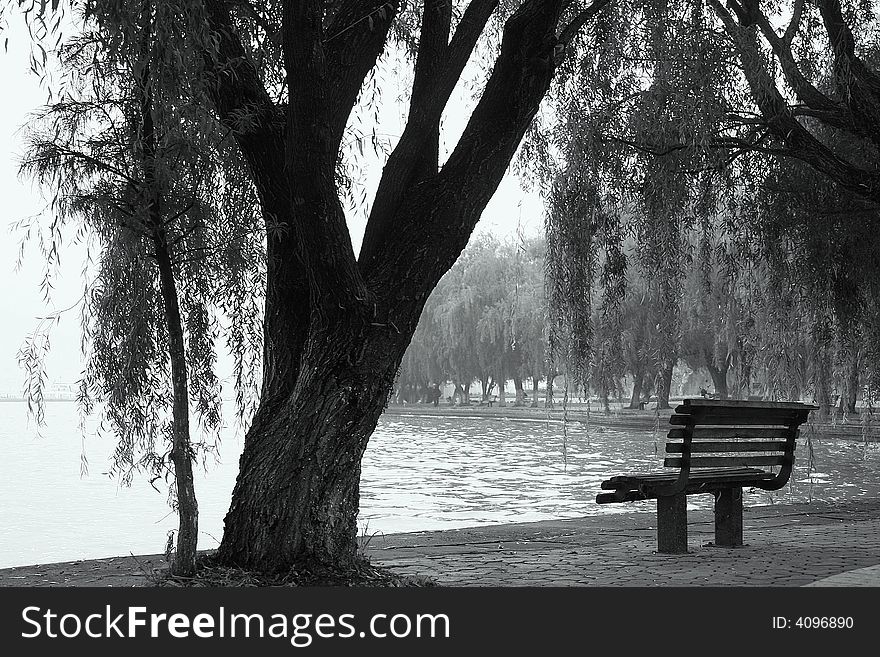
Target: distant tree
{"points": [[457, 313], [711, 314], [529, 317], [487, 318], [637, 341]]}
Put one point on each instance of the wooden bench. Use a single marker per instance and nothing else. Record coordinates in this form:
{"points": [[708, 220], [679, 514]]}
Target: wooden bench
{"points": [[717, 447]]}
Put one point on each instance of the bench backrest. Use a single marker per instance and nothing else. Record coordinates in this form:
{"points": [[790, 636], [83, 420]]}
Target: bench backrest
{"points": [[730, 433]]}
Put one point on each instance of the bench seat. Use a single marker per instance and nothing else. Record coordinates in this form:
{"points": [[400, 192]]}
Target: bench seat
{"points": [[632, 488]]}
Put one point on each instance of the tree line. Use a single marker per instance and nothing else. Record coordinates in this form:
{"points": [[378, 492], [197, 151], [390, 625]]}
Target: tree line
{"points": [[740, 336]]}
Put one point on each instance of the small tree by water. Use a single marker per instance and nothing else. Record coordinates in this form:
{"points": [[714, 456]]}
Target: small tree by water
{"points": [[144, 178]]}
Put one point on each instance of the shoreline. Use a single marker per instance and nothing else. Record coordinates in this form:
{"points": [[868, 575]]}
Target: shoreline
{"points": [[578, 414], [829, 544]]}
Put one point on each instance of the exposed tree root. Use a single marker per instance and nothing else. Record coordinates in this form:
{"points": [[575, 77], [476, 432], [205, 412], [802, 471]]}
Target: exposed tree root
{"points": [[209, 573]]}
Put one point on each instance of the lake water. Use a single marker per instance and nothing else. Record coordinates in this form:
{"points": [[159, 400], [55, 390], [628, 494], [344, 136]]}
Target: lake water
{"points": [[418, 474]]}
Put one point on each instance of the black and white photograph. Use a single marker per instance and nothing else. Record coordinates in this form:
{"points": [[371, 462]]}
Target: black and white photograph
{"points": [[484, 302]]}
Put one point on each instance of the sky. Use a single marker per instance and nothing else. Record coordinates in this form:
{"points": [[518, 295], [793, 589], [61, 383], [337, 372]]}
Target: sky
{"points": [[22, 299], [510, 211]]}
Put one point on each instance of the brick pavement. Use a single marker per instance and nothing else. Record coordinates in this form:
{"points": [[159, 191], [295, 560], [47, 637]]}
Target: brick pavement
{"points": [[815, 544]]}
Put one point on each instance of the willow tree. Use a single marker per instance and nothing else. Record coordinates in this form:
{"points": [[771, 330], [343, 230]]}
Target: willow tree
{"points": [[285, 78], [822, 241], [457, 313], [612, 175], [488, 308], [337, 324], [684, 113], [529, 316], [146, 179]]}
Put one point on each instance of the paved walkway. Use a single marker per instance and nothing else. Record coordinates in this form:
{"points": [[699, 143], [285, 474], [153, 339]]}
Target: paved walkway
{"points": [[796, 545], [816, 544]]}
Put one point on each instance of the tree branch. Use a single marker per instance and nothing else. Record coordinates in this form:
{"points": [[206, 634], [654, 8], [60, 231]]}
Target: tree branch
{"points": [[798, 141], [311, 153], [351, 44], [247, 110], [862, 85], [433, 43], [436, 217], [402, 169], [806, 92], [242, 102], [795, 23], [575, 24]]}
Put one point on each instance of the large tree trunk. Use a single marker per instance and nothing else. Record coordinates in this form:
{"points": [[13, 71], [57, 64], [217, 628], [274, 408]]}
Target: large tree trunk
{"points": [[337, 326], [535, 381], [297, 495]]}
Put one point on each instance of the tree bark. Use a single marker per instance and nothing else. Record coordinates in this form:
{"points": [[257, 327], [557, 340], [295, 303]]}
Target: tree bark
{"points": [[665, 385], [520, 398], [636, 398], [297, 495], [852, 384]]}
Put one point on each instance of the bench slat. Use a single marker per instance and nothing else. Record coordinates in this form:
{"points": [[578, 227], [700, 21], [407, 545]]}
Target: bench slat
{"points": [[734, 411], [622, 496], [728, 446], [643, 488], [779, 420], [739, 403], [627, 481], [722, 433], [722, 461]]}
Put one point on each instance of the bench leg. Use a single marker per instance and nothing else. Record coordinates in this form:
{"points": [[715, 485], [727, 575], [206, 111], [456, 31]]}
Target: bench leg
{"points": [[729, 517], [672, 524]]}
